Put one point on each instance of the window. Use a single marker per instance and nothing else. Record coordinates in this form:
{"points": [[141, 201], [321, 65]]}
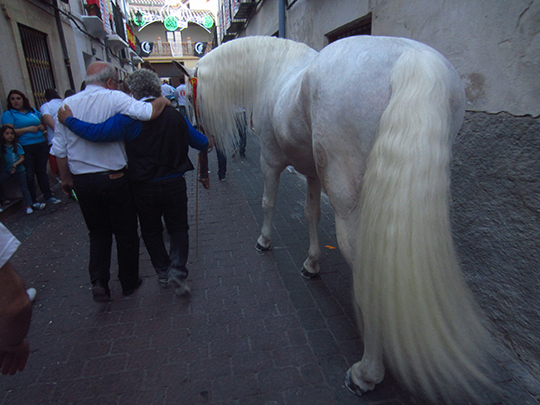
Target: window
{"points": [[361, 26], [38, 62]]}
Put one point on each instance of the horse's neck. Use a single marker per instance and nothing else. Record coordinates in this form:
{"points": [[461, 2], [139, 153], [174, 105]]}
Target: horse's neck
{"points": [[251, 73]]}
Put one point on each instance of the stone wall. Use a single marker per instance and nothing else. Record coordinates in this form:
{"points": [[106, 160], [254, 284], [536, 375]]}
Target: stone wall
{"points": [[496, 223]]}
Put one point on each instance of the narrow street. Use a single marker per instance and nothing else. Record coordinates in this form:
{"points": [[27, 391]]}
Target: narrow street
{"points": [[253, 332]]}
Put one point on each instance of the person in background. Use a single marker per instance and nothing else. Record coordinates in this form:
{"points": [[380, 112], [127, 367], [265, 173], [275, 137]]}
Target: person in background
{"points": [[12, 155], [180, 96], [48, 112], [15, 309], [167, 90], [29, 131], [69, 93]]}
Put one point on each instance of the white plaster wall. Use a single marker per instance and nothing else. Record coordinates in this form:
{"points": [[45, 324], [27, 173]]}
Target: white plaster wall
{"points": [[309, 21], [494, 44], [266, 21], [13, 67]]}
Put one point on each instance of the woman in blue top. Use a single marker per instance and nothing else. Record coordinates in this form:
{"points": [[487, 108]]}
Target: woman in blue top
{"points": [[29, 130]]}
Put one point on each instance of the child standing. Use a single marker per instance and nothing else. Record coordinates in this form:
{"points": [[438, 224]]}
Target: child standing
{"points": [[12, 155]]}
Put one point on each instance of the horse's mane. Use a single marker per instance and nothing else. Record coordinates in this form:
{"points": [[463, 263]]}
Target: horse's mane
{"points": [[244, 74]]}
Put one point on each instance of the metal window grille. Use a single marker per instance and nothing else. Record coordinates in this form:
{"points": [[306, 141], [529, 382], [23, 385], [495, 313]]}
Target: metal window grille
{"points": [[38, 62]]}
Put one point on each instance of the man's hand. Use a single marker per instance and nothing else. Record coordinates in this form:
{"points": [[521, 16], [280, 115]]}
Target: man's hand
{"points": [[14, 358], [63, 113], [65, 175]]}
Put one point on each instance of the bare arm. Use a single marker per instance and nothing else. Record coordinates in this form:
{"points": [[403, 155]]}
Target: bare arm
{"points": [[21, 131], [17, 163], [15, 316], [49, 121], [65, 175]]}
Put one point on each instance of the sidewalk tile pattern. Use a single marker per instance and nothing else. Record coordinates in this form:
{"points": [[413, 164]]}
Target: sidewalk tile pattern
{"points": [[252, 332]]}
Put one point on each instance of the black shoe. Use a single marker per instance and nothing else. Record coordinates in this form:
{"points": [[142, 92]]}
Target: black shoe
{"points": [[101, 294], [222, 178], [132, 290]]}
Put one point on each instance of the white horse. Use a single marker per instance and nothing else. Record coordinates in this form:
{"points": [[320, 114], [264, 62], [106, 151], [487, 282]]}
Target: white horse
{"points": [[371, 121]]}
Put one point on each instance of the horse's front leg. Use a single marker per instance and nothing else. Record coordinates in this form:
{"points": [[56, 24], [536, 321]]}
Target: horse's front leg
{"points": [[312, 212], [271, 183]]}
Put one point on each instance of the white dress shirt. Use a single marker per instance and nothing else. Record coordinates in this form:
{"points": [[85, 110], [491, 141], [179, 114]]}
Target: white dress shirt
{"points": [[51, 108], [96, 104]]}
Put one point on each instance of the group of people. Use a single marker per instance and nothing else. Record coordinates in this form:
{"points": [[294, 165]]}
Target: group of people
{"points": [[125, 156], [24, 147], [97, 132]]}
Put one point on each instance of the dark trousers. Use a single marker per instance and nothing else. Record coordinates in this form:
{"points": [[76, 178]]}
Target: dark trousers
{"points": [[36, 157], [23, 185], [167, 199], [222, 162], [108, 209]]}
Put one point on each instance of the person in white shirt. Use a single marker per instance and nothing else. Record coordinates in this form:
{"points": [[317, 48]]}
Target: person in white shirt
{"points": [[167, 90], [48, 112], [96, 172], [180, 96]]}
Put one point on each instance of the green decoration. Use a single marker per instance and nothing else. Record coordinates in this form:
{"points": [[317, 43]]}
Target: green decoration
{"points": [[138, 19], [208, 22], [171, 23]]}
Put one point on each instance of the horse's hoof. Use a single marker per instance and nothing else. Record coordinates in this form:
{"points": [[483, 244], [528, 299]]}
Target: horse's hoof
{"points": [[306, 274], [261, 248], [355, 389]]}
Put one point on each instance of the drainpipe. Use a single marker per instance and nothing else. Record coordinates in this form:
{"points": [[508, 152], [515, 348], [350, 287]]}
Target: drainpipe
{"points": [[63, 43], [282, 18]]}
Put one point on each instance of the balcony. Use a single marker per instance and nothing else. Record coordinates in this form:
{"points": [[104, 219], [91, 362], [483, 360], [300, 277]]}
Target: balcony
{"points": [[187, 49], [94, 26], [116, 42], [245, 8], [236, 26]]}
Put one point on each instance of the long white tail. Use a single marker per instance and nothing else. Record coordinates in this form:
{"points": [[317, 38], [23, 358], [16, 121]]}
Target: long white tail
{"points": [[407, 279]]}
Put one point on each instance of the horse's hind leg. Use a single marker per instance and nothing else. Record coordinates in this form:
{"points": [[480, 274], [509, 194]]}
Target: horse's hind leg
{"points": [[271, 183], [364, 375], [312, 211]]}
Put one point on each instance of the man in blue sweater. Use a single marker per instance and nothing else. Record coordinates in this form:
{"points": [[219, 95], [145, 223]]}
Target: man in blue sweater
{"points": [[157, 153]]}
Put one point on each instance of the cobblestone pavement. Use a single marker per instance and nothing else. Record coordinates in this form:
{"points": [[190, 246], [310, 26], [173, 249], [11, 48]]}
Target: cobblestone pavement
{"points": [[253, 332]]}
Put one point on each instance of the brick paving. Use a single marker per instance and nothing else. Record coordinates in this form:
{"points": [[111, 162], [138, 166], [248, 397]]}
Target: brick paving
{"points": [[253, 332]]}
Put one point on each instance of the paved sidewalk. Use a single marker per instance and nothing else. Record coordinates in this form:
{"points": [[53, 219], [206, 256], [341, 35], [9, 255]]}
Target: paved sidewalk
{"points": [[254, 331]]}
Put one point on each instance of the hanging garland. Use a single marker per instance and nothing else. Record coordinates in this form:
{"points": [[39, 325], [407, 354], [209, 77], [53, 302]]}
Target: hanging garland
{"points": [[174, 15]]}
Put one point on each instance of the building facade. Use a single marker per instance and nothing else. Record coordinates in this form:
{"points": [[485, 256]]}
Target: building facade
{"points": [[50, 43], [495, 47], [167, 30]]}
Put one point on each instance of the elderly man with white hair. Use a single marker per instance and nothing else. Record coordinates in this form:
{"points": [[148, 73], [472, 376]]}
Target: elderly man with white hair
{"points": [[99, 178]]}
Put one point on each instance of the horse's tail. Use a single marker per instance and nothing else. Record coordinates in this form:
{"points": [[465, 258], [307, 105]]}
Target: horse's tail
{"points": [[407, 279]]}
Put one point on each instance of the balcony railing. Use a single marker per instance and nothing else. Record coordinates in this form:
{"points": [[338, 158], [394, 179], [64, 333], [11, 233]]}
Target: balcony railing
{"points": [[176, 49]]}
